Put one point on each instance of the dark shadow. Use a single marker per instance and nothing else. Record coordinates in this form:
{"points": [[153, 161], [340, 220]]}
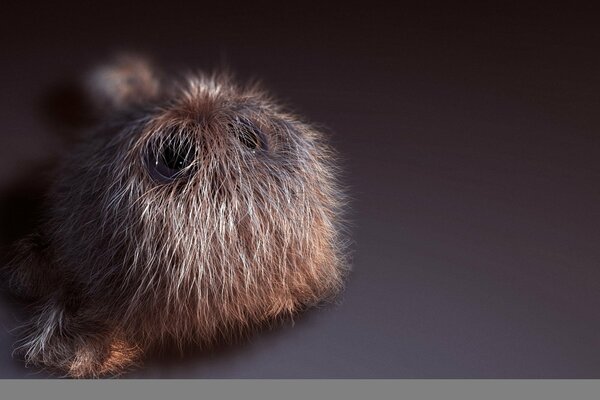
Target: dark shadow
{"points": [[22, 208], [21, 203], [66, 110]]}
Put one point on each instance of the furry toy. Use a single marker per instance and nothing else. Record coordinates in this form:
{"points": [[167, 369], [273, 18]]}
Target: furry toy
{"points": [[194, 212]]}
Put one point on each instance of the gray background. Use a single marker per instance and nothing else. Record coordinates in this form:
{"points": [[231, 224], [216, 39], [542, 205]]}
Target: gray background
{"points": [[470, 144]]}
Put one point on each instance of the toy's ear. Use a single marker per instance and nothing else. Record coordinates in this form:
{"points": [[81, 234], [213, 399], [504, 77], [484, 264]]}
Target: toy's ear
{"points": [[126, 81]]}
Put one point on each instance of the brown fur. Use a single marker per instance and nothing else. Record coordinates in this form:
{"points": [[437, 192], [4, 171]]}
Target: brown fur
{"points": [[247, 233]]}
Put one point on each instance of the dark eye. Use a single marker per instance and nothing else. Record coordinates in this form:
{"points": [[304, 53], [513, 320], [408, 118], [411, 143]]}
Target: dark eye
{"points": [[249, 135], [170, 159]]}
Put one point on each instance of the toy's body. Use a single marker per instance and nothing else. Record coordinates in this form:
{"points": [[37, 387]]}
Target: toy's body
{"points": [[193, 213]]}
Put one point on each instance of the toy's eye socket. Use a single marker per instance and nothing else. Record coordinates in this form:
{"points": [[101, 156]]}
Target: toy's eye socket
{"points": [[171, 159], [249, 135]]}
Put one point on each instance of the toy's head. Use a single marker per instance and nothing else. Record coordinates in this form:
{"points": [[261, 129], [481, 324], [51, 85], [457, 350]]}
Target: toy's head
{"points": [[197, 207]]}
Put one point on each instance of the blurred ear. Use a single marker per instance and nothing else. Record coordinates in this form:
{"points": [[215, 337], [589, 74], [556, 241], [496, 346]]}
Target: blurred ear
{"points": [[125, 81]]}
